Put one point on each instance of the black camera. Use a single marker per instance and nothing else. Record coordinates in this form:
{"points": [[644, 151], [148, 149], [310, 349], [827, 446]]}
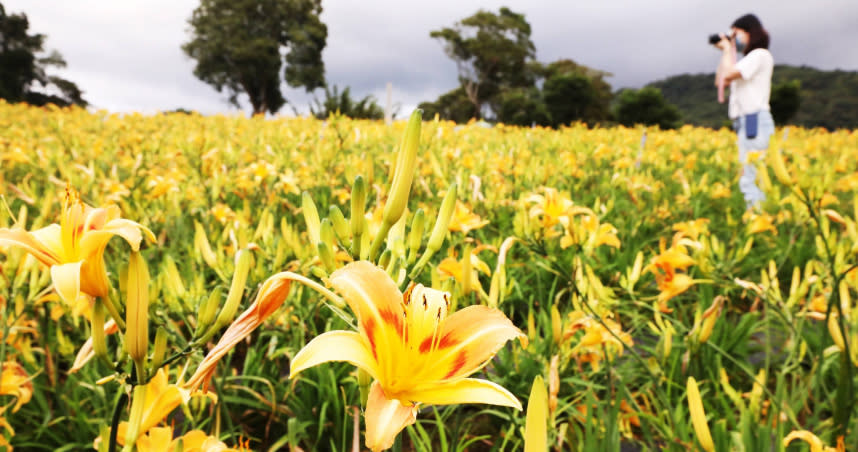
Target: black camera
{"points": [[713, 39]]}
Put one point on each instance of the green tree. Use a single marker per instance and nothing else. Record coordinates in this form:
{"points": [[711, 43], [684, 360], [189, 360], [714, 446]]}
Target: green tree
{"points": [[23, 70], [646, 106], [493, 52], [785, 100], [574, 92], [523, 107], [239, 46], [342, 103], [453, 106]]}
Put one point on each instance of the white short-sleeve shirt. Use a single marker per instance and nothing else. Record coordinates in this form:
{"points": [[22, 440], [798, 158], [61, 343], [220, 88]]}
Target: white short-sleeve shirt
{"points": [[750, 93]]}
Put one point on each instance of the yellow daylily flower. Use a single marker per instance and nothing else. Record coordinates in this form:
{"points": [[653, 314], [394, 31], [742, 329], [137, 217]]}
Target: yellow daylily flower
{"points": [[812, 440], [549, 208], [413, 350], [761, 223], [464, 220], [14, 381], [160, 400], [693, 229], [74, 248], [597, 339]]}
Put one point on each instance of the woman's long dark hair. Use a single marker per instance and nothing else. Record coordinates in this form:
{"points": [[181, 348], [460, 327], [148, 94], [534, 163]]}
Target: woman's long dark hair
{"points": [[758, 37]]}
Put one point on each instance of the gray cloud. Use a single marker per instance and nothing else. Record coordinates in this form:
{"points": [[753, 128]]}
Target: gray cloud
{"points": [[126, 55]]}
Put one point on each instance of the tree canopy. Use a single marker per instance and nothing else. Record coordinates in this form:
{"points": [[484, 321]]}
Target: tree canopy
{"points": [[492, 51], [24, 67], [241, 46], [646, 106]]}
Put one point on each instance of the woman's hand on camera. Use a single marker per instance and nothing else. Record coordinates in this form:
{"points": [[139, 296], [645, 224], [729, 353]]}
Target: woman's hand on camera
{"points": [[724, 43]]}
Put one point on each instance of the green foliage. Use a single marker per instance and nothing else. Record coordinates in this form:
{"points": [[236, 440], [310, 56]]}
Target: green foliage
{"points": [[785, 100], [523, 107], [828, 98], [22, 69], [646, 106], [492, 51], [239, 45], [575, 92], [453, 105], [337, 102]]}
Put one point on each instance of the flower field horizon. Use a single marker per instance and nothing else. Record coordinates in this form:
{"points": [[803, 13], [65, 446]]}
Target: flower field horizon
{"points": [[297, 284]]}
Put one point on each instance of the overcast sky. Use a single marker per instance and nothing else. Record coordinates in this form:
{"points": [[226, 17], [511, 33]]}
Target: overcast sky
{"points": [[126, 55]]}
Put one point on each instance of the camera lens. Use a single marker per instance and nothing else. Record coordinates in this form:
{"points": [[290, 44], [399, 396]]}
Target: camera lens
{"points": [[713, 39]]}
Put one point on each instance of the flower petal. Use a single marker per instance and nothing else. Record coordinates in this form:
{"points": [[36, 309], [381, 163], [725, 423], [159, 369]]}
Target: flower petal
{"points": [[385, 418], [271, 296], [346, 346], [377, 302], [466, 390], [35, 243], [66, 278], [468, 338]]}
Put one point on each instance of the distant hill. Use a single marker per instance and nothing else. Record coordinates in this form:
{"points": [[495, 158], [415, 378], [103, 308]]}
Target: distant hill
{"points": [[828, 98]]}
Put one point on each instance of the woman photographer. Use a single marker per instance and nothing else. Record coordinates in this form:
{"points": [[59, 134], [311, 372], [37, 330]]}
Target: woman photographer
{"points": [[750, 81]]}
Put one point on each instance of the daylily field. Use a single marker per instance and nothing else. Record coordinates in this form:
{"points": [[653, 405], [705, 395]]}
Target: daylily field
{"points": [[186, 283]]}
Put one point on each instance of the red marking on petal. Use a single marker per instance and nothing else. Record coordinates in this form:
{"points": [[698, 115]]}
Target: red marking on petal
{"points": [[392, 319], [369, 328], [460, 361], [448, 341]]}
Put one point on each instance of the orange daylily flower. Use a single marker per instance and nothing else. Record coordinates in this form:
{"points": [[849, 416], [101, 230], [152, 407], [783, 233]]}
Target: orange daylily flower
{"points": [[597, 339], [693, 229], [414, 351], [74, 248], [160, 439], [671, 283], [14, 381], [270, 297]]}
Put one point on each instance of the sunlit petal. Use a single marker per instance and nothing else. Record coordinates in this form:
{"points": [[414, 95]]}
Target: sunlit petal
{"points": [[468, 338], [385, 418], [345, 346], [377, 302], [33, 243], [66, 278], [466, 390]]}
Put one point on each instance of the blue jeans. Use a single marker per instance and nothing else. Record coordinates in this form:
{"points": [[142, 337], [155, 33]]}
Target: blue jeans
{"points": [[748, 178]]}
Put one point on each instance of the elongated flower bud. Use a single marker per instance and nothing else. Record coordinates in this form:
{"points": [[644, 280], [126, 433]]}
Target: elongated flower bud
{"points": [[327, 256], [160, 348], [358, 206], [99, 338], [207, 310], [137, 310], [311, 217], [326, 233], [415, 235], [556, 325], [778, 166], [174, 281], [243, 259], [202, 245], [338, 220], [406, 161], [698, 416], [445, 213], [536, 422], [710, 316]]}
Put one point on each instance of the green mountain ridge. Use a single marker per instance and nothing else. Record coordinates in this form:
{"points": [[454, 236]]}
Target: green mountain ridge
{"points": [[828, 98]]}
